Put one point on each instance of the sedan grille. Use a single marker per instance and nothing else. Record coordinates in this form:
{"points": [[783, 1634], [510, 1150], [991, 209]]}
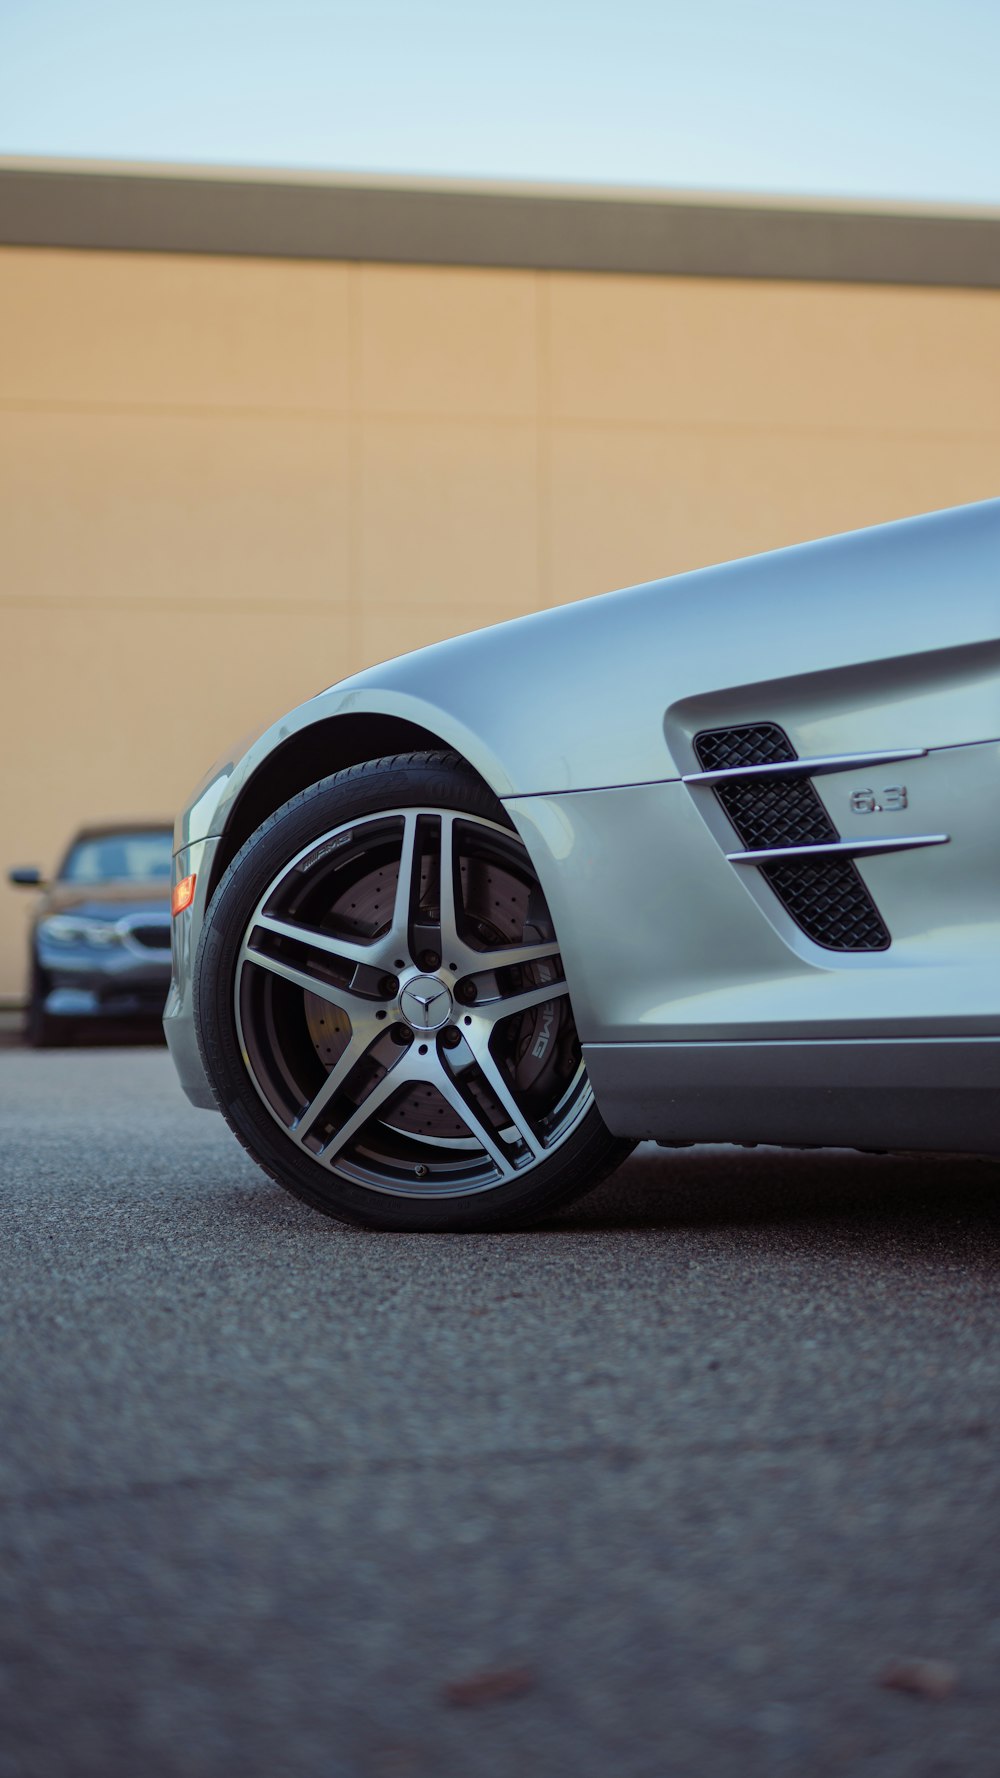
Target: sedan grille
{"points": [[151, 937], [824, 896]]}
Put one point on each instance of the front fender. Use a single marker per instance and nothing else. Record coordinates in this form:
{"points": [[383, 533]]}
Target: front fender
{"points": [[590, 696]]}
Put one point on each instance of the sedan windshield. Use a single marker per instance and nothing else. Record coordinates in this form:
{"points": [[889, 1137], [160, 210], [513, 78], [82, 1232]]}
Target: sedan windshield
{"points": [[120, 857]]}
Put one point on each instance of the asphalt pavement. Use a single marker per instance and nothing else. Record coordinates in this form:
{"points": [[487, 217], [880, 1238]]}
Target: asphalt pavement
{"points": [[672, 1485]]}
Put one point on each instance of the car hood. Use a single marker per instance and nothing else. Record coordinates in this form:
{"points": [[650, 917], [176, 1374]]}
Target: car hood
{"points": [[105, 901]]}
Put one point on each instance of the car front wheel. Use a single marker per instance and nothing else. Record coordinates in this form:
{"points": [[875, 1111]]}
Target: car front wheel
{"points": [[383, 1011]]}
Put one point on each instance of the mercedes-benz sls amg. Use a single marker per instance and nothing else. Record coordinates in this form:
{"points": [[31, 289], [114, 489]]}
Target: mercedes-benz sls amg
{"points": [[712, 859]]}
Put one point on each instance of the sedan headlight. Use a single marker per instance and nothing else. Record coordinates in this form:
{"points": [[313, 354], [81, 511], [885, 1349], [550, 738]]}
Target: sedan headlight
{"points": [[77, 929]]}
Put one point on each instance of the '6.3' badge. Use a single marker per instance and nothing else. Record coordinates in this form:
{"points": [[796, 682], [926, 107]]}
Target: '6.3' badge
{"points": [[873, 802]]}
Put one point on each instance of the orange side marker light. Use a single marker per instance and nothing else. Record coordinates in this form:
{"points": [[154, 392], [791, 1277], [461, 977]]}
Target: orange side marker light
{"points": [[182, 896]]}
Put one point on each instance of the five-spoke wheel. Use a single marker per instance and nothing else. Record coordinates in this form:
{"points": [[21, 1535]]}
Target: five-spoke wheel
{"points": [[383, 1007]]}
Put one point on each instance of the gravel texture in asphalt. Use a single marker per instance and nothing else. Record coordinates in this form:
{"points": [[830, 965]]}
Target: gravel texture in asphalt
{"points": [[665, 1487]]}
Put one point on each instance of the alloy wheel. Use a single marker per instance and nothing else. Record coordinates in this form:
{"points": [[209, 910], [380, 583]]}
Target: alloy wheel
{"points": [[402, 1009]]}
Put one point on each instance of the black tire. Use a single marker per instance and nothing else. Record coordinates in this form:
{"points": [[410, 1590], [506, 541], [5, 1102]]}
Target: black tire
{"points": [[457, 1117]]}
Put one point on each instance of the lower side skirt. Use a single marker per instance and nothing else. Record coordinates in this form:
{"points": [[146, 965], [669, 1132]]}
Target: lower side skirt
{"points": [[905, 1093]]}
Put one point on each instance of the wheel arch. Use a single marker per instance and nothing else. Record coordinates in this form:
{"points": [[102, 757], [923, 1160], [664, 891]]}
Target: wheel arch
{"points": [[313, 752]]}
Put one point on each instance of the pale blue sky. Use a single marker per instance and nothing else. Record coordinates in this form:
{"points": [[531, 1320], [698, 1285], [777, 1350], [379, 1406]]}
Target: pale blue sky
{"points": [[870, 98]]}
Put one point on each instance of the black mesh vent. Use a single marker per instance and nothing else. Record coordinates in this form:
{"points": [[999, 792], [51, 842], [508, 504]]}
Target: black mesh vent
{"points": [[825, 896], [830, 902], [776, 812], [765, 744]]}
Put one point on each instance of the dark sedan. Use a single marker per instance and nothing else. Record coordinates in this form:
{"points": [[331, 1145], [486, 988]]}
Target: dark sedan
{"points": [[100, 938]]}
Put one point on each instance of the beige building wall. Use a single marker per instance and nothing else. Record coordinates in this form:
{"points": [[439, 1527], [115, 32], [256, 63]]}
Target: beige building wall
{"points": [[227, 482]]}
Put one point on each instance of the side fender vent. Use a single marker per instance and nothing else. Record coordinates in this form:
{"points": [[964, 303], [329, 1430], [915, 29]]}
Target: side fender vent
{"points": [[824, 896]]}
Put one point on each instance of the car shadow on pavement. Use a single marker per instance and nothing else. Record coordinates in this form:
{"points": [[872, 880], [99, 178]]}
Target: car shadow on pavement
{"points": [[945, 1197], [944, 1203], [95, 1036], [945, 1206]]}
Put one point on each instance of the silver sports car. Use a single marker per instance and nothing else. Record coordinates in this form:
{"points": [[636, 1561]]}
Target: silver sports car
{"points": [[714, 859]]}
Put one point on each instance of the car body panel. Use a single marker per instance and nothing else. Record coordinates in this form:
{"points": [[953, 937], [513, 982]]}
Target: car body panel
{"points": [[607, 691], [917, 1093], [178, 1014], [577, 698], [664, 940]]}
